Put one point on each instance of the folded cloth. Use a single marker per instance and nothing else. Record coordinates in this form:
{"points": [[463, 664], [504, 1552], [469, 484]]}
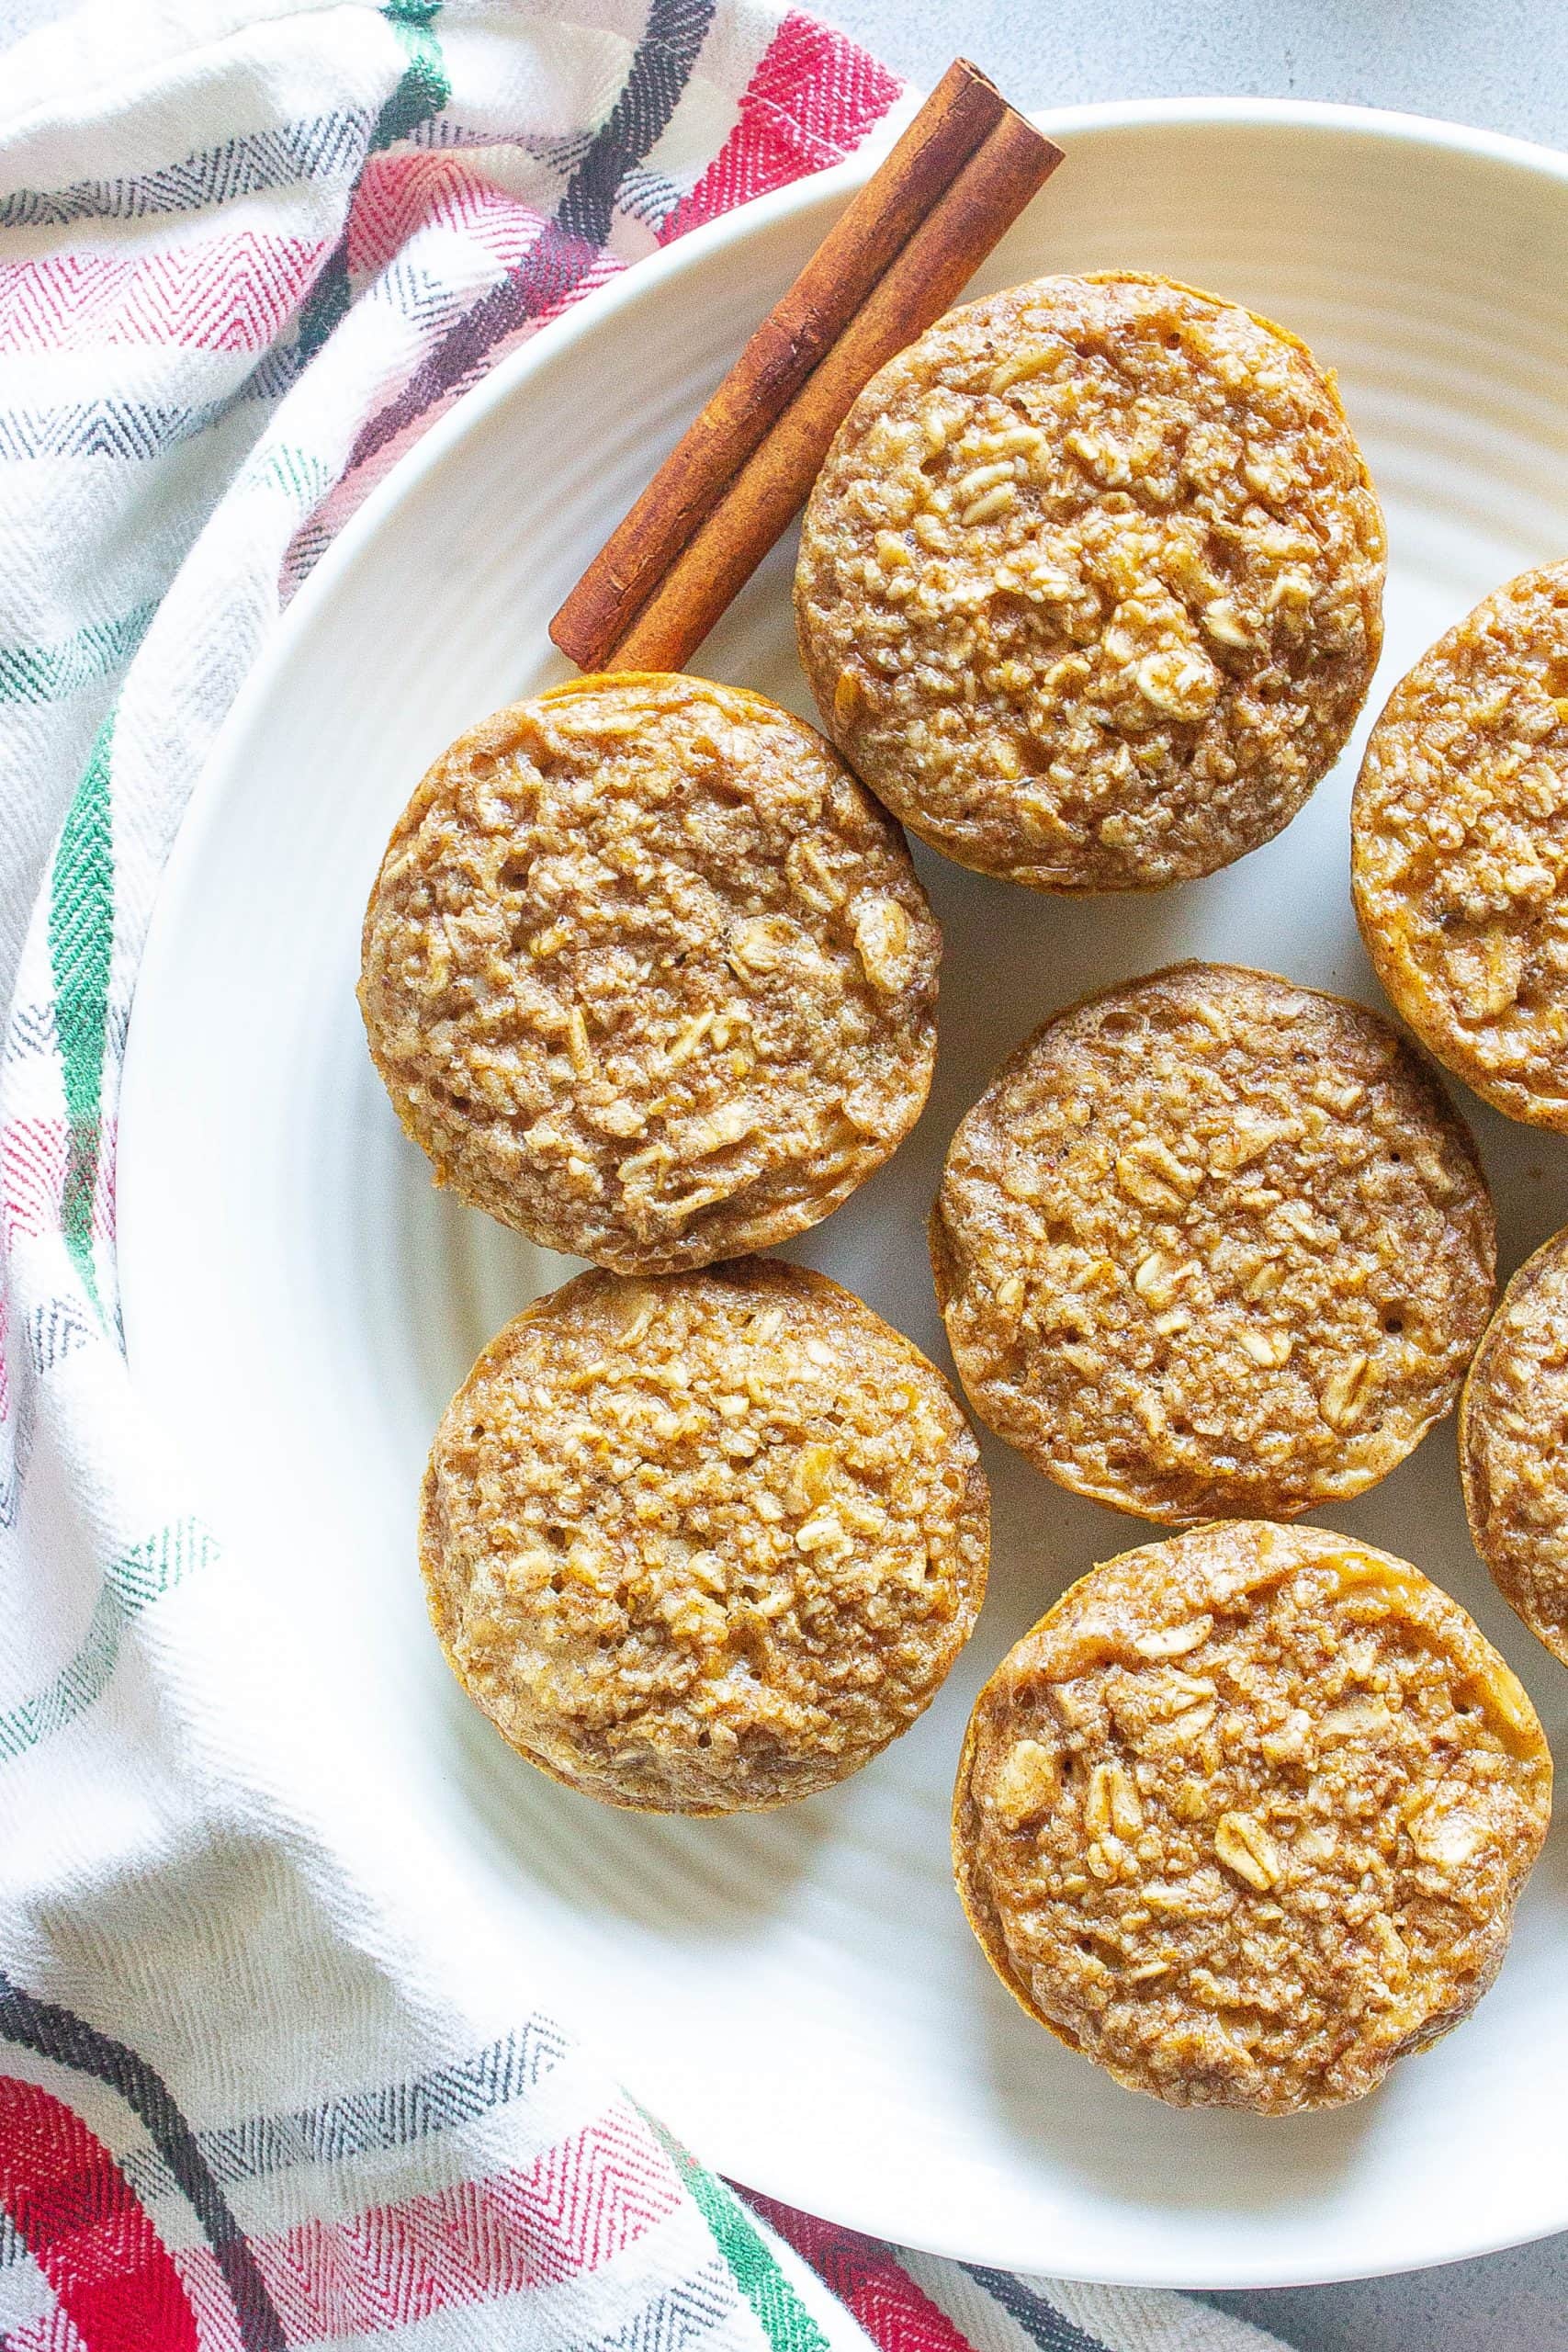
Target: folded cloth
{"points": [[249, 2095]]}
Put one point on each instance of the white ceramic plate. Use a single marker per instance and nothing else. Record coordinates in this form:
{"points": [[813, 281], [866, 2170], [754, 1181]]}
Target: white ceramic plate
{"points": [[797, 1993]]}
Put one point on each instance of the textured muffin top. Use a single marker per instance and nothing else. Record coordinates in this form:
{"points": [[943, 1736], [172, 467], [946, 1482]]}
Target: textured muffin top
{"points": [[1091, 585], [1214, 1244], [1460, 848], [1244, 1818], [649, 975], [1513, 1446], [707, 1543]]}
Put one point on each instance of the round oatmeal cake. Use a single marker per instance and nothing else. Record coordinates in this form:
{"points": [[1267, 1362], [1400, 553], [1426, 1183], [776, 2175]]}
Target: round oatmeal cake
{"points": [[1091, 585], [1513, 1446], [1244, 1818], [649, 975], [1458, 848], [1211, 1244], [704, 1544]]}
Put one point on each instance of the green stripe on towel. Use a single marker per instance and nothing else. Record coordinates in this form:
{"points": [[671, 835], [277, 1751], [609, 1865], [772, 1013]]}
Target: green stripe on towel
{"points": [[788, 2326]]}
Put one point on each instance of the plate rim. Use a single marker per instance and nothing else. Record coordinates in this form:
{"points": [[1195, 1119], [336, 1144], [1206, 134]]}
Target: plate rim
{"points": [[151, 993]]}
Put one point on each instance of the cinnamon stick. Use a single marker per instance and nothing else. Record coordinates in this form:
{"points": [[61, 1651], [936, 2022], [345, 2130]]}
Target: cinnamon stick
{"points": [[954, 182]]}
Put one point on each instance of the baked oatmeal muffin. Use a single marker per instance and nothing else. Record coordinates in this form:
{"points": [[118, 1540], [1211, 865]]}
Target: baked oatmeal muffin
{"points": [[1213, 1244], [649, 975], [705, 1543], [1458, 848], [1091, 585], [1513, 1446], [1244, 1818]]}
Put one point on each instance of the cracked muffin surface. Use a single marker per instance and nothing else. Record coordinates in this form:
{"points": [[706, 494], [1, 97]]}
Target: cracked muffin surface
{"points": [[1089, 588], [649, 975], [704, 1544], [1458, 848], [1513, 1446], [1245, 1817], [1214, 1244]]}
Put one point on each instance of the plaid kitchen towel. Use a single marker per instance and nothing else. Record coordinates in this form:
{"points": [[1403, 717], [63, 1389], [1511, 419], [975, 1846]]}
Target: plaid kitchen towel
{"points": [[249, 249]]}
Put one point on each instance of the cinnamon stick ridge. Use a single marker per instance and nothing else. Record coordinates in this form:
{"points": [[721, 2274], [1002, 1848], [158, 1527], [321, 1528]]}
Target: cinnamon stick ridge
{"points": [[953, 184]]}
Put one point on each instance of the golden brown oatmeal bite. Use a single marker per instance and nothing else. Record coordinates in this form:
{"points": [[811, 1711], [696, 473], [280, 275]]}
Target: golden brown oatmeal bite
{"points": [[1513, 1446], [1245, 1817], [1458, 848], [703, 1544], [649, 975], [1210, 1244], [1091, 585]]}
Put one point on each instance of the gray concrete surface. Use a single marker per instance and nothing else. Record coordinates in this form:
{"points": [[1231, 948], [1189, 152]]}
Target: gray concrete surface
{"points": [[1500, 62]]}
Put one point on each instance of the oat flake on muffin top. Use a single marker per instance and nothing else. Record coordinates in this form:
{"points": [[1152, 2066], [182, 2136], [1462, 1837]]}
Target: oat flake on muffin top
{"points": [[1089, 587]]}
